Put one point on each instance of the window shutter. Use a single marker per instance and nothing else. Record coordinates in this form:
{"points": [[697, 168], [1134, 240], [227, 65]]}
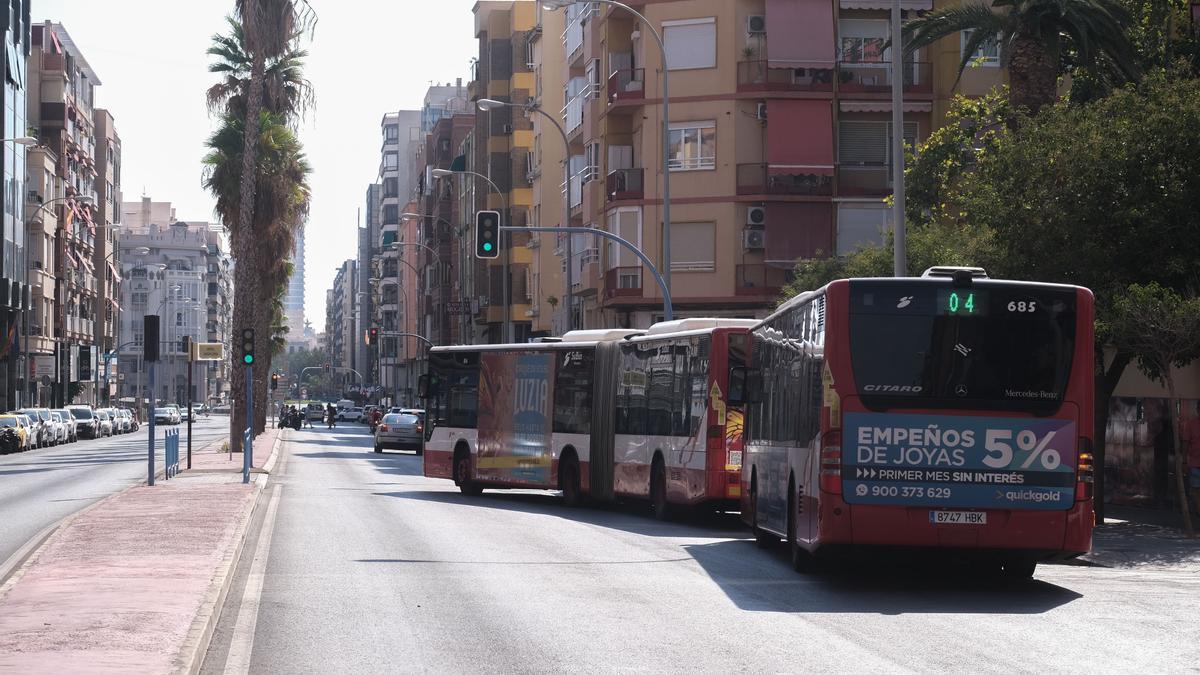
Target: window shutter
{"points": [[864, 143]]}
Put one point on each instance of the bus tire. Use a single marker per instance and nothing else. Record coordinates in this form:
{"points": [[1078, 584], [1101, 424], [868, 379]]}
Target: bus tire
{"points": [[658, 490], [1018, 568], [802, 560], [462, 473], [762, 538], [568, 480]]}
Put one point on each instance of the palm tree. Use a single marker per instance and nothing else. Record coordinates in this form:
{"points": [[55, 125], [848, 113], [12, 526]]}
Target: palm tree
{"points": [[285, 89], [269, 29], [1037, 38]]}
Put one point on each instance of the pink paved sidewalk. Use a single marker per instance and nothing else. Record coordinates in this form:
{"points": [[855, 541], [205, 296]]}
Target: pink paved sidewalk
{"points": [[211, 458], [118, 589]]}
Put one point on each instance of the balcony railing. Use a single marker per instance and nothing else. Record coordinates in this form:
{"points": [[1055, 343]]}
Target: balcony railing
{"points": [[623, 282], [760, 279], [876, 77], [624, 184], [864, 179], [764, 179], [765, 75], [626, 84]]}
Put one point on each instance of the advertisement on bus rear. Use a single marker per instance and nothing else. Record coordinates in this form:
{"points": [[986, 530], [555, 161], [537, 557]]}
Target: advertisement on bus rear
{"points": [[514, 419], [959, 461]]}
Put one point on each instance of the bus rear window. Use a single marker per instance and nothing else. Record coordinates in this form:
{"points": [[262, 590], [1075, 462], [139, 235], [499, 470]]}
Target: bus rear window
{"points": [[988, 345]]}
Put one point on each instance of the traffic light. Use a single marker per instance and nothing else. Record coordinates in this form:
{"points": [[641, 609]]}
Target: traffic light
{"points": [[372, 335], [248, 346], [487, 234], [150, 338], [274, 381]]}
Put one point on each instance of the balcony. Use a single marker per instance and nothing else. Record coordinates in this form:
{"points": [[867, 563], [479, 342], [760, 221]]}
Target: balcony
{"points": [[572, 112], [876, 77], [760, 279], [623, 282], [764, 75], [624, 184], [627, 84], [763, 179], [867, 180]]}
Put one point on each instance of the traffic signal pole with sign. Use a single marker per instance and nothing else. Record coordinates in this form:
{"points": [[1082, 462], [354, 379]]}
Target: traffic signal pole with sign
{"points": [[150, 344], [248, 360]]}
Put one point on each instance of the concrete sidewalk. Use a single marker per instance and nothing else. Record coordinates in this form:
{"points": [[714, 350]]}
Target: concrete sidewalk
{"points": [[1152, 538], [133, 583]]}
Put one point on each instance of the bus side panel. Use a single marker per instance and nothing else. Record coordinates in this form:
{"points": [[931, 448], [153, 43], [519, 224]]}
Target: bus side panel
{"points": [[515, 419], [439, 450]]}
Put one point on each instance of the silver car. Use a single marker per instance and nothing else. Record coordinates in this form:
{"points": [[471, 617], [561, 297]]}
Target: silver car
{"points": [[401, 431], [61, 433], [72, 426]]}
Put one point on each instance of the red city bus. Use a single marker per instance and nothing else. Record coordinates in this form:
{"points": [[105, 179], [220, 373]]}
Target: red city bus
{"points": [[947, 413], [608, 414]]}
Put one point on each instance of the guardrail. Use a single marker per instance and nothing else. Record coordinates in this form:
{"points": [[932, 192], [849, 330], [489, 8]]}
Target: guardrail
{"points": [[171, 450]]}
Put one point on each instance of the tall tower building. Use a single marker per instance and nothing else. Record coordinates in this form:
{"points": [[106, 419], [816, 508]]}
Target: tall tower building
{"points": [[293, 302]]}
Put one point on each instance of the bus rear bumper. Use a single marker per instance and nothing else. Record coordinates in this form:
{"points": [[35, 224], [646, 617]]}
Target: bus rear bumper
{"points": [[1049, 534]]}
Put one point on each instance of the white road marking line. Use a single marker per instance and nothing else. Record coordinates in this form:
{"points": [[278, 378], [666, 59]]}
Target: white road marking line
{"points": [[241, 645]]}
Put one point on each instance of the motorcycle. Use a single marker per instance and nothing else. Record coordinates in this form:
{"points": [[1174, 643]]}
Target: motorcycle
{"points": [[297, 420], [9, 441]]}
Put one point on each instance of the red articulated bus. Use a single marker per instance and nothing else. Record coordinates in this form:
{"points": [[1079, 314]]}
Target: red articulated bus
{"points": [[950, 413], [606, 414]]}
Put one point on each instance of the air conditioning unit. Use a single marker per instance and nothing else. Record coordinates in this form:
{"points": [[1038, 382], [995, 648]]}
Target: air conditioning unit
{"points": [[753, 239], [756, 24], [760, 112], [756, 215]]}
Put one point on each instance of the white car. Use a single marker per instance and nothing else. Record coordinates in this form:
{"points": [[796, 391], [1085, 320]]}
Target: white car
{"points": [[106, 424], [350, 415], [72, 425], [61, 433]]}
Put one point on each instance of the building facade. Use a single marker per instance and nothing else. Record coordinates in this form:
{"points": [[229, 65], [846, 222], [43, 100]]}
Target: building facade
{"points": [[15, 295], [106, 260], [293, 299], [340, 323]]}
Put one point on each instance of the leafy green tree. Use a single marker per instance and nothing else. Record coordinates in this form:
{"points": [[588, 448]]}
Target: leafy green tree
{"points": [[1036, 37], [1161, 328]]}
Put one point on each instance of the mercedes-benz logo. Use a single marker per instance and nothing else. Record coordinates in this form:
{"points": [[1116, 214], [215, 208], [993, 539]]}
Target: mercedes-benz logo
{"points": [[961, 390]]}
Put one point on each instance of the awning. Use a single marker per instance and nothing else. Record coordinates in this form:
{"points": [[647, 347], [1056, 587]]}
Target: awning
{"points": [[809, 39], [804, 138], [87, 264], [884, 106], [906, 5], [71, 257]]}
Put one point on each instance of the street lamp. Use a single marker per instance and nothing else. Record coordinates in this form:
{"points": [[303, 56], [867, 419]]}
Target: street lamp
{"points": [[486, 104], [21, 140], [442, 173], [552, 5]]}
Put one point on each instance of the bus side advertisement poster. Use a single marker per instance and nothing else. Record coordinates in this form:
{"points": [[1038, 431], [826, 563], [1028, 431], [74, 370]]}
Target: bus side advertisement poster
{"points": [[514, 441], [959, 461]]}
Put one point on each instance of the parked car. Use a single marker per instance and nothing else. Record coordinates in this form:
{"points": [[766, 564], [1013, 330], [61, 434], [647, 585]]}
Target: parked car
{"points": [[350, 415], [72, 425], [402, 431], [105, 422], [86, 422], [164, 416], [43, 435], [130, 425], [119, 419], [17, 423], [61, 433]]}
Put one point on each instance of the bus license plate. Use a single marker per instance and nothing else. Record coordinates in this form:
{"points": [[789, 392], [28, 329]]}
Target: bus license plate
{"points": [[958, 517]]}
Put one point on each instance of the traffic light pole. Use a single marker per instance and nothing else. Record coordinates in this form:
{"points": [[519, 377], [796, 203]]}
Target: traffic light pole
{"points": [[150, 440], [191, 413], [248, 451], [668, 310]]}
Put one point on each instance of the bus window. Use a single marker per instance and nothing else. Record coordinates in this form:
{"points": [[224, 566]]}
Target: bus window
{"points": [[456, 396], [573, 392]]}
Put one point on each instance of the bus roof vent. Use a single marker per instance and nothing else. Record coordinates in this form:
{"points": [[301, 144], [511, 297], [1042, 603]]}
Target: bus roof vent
{"points": [[540, 340], [680, 325], [600, 334], [959, 274]]}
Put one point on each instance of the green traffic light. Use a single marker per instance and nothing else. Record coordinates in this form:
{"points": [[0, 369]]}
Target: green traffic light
{"points": [[249, 358], [487, 246]]}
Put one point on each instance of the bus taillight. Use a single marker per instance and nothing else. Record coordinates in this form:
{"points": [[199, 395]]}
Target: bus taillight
{"points": [[1085, 474], [831, 466]]}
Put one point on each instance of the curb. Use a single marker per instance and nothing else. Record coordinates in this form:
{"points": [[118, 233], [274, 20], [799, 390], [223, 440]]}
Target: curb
{"points": [[200, 634], [190, 656]]}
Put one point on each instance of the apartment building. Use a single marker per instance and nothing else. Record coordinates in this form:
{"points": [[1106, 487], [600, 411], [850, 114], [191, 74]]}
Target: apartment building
{"points": [[502, 140], [15, 296], [218, 313], [165, 265], [778, 146], [106, 260], [368, 238], [399, 168], [396, 297], [62, 110], [39, 332], [293, 298], [339, 316]]}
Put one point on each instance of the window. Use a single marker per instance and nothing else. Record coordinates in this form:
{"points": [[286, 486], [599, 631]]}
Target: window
{"points": [[178, 319], [693, 145], [391, 214], [860, 225], [391, 133], [390, 187], [691, 43], [693, 247], [573, 392], [390, 160], [591, 162], [862, 40], [593, 77], [140, 298], [139, 336], [988, 53], [869, 143], [626, 223]]}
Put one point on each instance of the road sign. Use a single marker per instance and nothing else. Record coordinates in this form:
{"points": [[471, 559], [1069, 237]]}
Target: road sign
{"points": [[43, 365], [209, 351], [459, 307]]}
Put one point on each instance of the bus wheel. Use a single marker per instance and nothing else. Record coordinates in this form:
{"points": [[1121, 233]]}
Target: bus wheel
{"points": [[462, 475], [1018, 568], [658, 491], [568, 476]]}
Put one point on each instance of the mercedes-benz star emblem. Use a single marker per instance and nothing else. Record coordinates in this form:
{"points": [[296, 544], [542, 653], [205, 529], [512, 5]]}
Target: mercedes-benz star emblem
{"points": [[961, 390]]}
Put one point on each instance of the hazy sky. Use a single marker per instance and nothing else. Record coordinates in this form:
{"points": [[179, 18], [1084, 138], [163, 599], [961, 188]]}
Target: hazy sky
{"points": [[366, 57]]}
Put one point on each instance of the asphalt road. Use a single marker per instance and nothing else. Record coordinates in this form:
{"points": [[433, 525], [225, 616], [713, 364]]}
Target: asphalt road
{"points": [[373, 568], [40, 487]]}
